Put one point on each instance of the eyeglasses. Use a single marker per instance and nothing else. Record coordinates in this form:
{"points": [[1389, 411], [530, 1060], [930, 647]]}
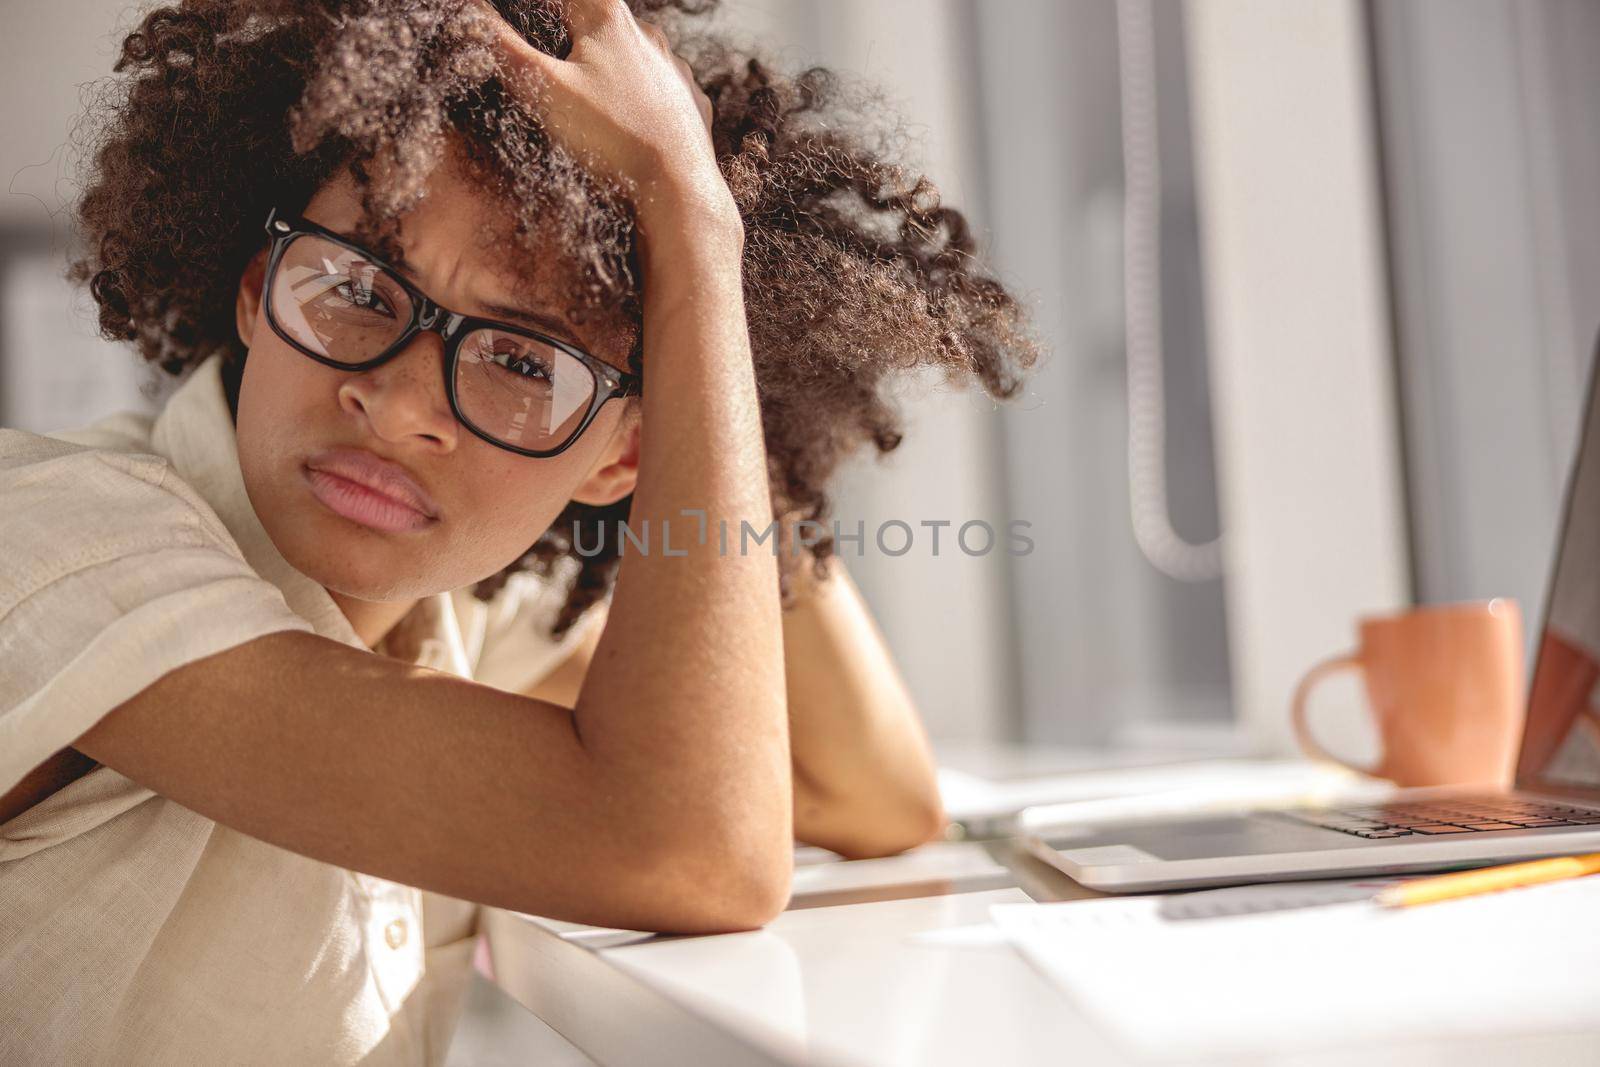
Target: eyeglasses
{"points": [[339, 304]]}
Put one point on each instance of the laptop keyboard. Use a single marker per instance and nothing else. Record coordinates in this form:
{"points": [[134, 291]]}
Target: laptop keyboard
{"points": [[1460, 815]]}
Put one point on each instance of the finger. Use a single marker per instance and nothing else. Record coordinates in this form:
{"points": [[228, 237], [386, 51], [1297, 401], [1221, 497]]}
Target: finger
{"points": [[512, 46], [703, 102], [584, 17], [655, 33]]}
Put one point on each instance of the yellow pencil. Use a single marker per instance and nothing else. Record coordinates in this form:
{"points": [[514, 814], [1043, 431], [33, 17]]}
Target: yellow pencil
{"points": [[1488, 880]]}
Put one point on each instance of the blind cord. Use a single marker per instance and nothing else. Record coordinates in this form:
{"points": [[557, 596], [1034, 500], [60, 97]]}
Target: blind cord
{"points": [[1161, 544]]}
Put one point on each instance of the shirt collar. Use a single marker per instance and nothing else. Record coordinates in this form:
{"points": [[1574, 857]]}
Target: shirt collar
{"points": [[195, 432]]}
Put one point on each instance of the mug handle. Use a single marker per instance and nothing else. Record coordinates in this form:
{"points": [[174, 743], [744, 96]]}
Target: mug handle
{"points": [[1302, 730]]}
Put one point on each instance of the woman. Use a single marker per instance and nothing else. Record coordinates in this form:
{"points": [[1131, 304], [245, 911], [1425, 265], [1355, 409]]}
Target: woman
{"points": [[228, 830]]}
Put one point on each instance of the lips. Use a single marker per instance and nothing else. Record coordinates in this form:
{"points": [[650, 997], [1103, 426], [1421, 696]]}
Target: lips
{"points": [[372, 491]]}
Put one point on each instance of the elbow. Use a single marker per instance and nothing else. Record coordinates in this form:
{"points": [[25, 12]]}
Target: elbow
{"points": [[684, 890], [932, 823], [726, 894], [756, 879], [761, 899], [886, 833], [719, 884], [926, 821], [916, 826]]}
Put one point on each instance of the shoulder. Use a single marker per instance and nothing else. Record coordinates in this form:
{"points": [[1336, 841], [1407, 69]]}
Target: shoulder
{"points": [[114, 572], [66, 506], [122, 431]]}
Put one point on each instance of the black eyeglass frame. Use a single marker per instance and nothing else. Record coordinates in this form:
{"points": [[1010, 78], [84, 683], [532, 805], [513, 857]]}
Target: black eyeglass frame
{"points": [[450, 325]]}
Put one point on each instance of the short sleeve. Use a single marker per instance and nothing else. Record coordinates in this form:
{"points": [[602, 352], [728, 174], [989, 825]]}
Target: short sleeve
{"points": [[509, 639], [113, 573]]}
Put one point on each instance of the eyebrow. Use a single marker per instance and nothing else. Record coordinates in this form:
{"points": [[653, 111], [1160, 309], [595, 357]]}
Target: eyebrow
{"points": [[547, 323], [539, 320]]}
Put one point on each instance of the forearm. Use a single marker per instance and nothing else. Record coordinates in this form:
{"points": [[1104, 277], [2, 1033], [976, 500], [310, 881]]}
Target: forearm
{"points": [[865, 782], [672, 700]]}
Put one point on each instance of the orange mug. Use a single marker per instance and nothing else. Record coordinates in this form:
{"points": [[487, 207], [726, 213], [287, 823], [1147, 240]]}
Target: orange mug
{"points": [[1445, 686]]}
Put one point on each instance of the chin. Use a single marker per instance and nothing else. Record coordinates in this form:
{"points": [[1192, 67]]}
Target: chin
{"points": [[362, 564]]}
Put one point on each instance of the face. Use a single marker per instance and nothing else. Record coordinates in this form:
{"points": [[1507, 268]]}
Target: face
{"points": [[472, 507]]}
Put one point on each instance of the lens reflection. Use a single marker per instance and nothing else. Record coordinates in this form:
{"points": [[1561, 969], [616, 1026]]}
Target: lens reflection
{"points": [[335, 302], [521, 390]]}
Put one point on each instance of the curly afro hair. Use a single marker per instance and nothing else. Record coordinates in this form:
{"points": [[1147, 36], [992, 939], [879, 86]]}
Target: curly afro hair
{"points": [[854, 270]]}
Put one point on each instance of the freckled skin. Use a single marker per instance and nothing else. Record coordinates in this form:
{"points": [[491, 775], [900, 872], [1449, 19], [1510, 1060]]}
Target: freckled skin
{"points": [[492, 503]]}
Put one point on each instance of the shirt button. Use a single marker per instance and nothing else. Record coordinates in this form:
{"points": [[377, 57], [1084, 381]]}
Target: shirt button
{"points": [[395, 933]]}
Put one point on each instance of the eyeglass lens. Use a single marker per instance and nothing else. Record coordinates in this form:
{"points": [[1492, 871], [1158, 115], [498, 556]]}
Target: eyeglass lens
{"points": [[517, 389]]}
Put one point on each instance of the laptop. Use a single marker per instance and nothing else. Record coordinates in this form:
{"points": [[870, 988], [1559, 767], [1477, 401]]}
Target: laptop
{"points": [[1553, 807]]}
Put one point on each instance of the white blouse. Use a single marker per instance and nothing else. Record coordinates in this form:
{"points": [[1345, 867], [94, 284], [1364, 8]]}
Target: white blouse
{"points": [[133, 930]]}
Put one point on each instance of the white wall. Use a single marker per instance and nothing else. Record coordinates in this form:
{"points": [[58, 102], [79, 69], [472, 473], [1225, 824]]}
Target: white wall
{"points": [[44, 58], [55, 370], [1296, 288], [945, 617], [1493, 160]]}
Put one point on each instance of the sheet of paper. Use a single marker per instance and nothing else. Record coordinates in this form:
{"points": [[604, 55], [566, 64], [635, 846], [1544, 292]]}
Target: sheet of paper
{"points": [[1245, 788], [1165, 908], [1220, 784], [1014, 920], [943, 861], [1291, 972]]}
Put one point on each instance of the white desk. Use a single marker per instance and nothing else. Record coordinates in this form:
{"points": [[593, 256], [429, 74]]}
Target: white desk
{"points": [[839, 980], [827, 982]]}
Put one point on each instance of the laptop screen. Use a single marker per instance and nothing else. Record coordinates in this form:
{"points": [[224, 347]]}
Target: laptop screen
{"points": [[1561, 743]]}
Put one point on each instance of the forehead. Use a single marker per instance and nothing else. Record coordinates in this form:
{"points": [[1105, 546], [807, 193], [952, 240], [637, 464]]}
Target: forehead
{"points": [[459, 245]]}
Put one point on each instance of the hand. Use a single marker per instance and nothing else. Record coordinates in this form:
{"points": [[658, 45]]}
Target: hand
{"points": [[624, 101]]}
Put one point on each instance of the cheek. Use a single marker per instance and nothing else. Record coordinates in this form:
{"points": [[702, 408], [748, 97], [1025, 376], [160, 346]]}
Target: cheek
{"points": [[276, 406], [269, 400], [510, 500], [278, 388], [503, 506]]}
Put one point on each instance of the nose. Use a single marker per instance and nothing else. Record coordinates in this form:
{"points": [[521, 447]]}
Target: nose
{"points": [[403, 399]]}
